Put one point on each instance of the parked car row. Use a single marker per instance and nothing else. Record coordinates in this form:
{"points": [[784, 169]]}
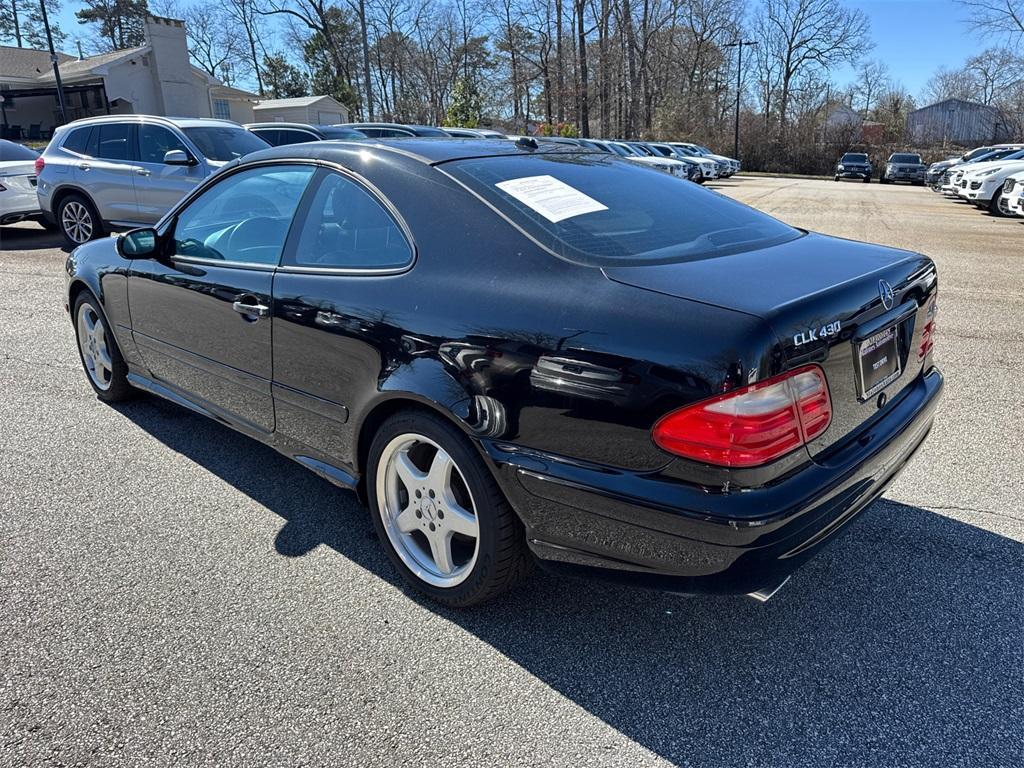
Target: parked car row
{"points": [[990, 177], [901, 166]]}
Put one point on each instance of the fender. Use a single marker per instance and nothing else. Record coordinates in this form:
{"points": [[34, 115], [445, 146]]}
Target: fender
{"points": [[57, 192], [107, 280]]}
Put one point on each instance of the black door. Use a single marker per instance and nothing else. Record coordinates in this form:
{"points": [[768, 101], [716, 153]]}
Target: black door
{"points": [[332, 340], [202, 313]]}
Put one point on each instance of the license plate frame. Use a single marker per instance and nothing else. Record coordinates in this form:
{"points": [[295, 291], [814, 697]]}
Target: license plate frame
{"points": [[878, 361]]}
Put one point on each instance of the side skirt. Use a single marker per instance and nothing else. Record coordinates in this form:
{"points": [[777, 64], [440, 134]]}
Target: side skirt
{"points": [[316, 463]]}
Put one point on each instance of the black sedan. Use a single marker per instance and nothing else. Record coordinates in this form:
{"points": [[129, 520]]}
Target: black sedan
{"points": [[521, 352]]}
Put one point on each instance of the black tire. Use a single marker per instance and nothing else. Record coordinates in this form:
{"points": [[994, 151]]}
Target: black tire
{"points": [[503, 559], [993, 204], [118, 388], [835, 179], [49, 226], [867, 179], [882, 180], [77, 208]]}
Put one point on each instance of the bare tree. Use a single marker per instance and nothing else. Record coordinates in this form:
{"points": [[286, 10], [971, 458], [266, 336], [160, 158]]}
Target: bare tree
{"points": [[214, 46], [951, 84], [872, 79], [803, 35], [1003, 18], [993, 71], [249, 17]]}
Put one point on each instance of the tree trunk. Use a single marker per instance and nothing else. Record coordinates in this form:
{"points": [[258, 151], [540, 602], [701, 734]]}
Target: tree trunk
{"points": [[584, 96], [366, 58], [559, 64]]}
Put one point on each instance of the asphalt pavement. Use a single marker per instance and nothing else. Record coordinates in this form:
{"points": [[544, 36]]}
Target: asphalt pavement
{"points": [[172, 593]]}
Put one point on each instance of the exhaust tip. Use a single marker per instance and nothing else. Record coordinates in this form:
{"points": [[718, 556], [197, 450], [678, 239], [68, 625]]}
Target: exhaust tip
{"points": [[765, 594]]}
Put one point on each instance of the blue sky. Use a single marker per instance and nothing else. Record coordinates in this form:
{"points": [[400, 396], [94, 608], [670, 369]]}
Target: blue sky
{"points": [[914, 37]]}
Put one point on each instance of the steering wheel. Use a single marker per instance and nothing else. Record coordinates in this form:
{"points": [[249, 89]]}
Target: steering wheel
{"points": [[252, 233]]}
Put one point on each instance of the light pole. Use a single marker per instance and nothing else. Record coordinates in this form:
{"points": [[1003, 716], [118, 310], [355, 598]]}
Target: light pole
{"points": [[739, 74], [56, 66]]}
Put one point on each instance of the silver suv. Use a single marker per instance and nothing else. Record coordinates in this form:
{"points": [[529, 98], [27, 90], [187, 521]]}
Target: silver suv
{"points": [[129, 170]]}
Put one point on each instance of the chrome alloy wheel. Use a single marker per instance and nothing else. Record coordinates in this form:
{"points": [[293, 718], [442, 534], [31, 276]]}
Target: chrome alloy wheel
{"points": [[76, 221], [92, 341], [428, 511]]}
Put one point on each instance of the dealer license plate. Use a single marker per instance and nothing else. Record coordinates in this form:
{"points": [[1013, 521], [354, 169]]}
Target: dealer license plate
{"points": [[878, 361]]}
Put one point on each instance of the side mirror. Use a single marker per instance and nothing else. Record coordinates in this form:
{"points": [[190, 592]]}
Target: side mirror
{"points": [[138, 243], [178, 157]]}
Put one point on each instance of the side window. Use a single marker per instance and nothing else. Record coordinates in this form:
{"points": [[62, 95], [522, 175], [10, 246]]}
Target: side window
{"points": [[244, 218], [155, 141], [270, 135], [78, 141], [373, 133], [348, 228], [289, 136], [115, 141]]}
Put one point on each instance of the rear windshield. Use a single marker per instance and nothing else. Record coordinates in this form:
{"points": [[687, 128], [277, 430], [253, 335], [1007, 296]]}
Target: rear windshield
{"points": [[853, 157], [905, 158], [341, 133], [602, 211], [224, 143], [9, 150]]}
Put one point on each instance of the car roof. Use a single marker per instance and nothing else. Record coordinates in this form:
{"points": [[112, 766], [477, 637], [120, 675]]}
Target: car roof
{"points": [[428, 150], [401, 126], [304, 126], [179, 122]]}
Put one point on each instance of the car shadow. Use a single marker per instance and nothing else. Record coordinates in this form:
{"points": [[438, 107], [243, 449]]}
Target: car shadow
{"points": [[901, 644], [30, 236]]}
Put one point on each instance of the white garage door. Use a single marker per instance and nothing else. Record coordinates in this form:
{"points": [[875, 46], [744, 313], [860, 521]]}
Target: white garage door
{"points": [[328, 118]]}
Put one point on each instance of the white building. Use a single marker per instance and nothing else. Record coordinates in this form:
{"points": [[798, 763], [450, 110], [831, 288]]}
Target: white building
{"points": [[155, 78], [312, 110]]}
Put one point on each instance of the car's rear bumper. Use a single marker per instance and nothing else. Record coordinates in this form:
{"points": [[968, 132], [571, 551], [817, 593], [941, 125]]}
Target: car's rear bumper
{"points": [[14, 216], [652, 530]]}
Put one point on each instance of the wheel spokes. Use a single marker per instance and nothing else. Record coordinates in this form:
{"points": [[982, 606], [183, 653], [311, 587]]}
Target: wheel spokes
{"points": [[408, 473], [439, 476], [407, 521], [441, 551], [459, 520]]}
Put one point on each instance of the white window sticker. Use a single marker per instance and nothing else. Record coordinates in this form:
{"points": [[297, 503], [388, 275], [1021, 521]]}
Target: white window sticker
{"points": [[551, 198]]}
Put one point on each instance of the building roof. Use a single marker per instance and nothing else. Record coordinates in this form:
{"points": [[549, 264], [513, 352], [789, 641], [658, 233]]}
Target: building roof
{"points": [[957, 104], [93, 65], [27, 63], [302, 101]]}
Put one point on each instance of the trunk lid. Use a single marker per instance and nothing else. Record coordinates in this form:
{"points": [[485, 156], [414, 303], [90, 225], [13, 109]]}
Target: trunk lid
{"points": [[19, 175], [826, 299]]}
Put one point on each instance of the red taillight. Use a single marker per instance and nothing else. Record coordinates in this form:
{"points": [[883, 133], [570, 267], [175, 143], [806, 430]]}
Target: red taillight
{"points": [[928, 332], [927, 340], [752, 425], [39, 164]]}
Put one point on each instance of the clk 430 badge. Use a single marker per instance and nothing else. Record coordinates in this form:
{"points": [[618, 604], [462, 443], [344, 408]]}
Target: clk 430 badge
{"points": [[815, 334]]}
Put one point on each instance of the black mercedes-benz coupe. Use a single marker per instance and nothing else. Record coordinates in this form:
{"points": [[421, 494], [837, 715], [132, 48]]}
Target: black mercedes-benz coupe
{"points": [[519, 352]]}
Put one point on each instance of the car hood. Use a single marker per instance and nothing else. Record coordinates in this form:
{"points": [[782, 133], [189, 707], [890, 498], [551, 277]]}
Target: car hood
{"points": [[1006, 167]]}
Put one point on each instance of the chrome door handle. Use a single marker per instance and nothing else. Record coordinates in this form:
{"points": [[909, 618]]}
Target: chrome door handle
{"points": [[143, 171], [252, 310], [84, 167]]}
